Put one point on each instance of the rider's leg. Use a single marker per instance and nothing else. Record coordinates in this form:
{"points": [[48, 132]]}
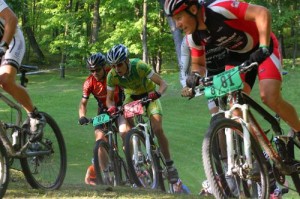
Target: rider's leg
{"points": [[270, 92], [102, 155], [9, 84]]}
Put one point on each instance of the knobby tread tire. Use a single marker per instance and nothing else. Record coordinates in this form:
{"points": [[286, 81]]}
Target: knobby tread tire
{"points": [[208, 159]]}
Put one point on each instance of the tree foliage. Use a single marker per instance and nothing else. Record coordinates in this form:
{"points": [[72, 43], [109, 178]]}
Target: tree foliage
{"points": [[63, 28]]}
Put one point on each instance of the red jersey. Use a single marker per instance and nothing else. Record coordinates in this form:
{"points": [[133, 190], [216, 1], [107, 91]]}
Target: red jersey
{"points": [[91, 172], [98, 89]]}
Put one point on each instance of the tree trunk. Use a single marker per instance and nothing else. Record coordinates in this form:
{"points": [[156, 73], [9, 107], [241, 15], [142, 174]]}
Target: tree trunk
{"points": [[96, 22], [144, 40], [30, 35]]}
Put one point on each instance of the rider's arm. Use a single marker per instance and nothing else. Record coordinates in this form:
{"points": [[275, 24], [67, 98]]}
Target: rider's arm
{"points": [[160, 82], [262, 17], [11, 22], [185, 58], [82, 107], [110, 101], [198, 64]]}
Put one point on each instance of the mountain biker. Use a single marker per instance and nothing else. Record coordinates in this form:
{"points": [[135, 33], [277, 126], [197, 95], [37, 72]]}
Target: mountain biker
{"points": [[245, 30], [12, 49], [139, 80], [95, 84]]}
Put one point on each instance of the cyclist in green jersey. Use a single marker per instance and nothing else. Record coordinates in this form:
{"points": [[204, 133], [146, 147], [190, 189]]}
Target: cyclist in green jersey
{"points": [[139, 80]]}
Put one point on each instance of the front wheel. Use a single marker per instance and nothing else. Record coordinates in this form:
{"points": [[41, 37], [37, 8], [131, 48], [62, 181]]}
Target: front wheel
{"points": [[142, 168], [45, 163], [4, 170], [104, 164], [244, 182]]}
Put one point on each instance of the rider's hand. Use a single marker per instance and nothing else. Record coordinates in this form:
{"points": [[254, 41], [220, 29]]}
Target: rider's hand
{"points": [[83, 120], [187, 92], [112, 110], [3, 48], [193, 80], [154, 95], [259, 55]]}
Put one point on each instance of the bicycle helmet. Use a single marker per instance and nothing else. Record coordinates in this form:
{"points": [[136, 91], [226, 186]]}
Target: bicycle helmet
{"points": [[96, 61], [173, 7], [117, 54]]}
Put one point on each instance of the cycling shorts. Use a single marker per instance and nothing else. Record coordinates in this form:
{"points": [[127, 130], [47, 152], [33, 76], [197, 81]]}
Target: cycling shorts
{"points": [[15, 53]]}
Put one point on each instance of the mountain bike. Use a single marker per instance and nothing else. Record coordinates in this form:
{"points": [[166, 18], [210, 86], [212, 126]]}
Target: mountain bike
{"points": [[240, 168], [146, 163], [42, 156], [114, 172]]}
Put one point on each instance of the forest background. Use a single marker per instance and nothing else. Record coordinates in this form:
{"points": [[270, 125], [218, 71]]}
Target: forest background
{"points": [[63, 33]]}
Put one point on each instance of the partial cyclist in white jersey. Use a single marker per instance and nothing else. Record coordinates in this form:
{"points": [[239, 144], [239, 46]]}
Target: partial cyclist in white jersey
{"points": [[12, 49]]}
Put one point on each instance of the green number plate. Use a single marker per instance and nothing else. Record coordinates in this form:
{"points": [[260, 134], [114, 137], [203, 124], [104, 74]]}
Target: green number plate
{"points": [[100, 119], [224, 83]]}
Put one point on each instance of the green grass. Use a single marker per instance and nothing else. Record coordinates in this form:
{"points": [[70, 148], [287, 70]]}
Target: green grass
{"points": [[185, 123]]}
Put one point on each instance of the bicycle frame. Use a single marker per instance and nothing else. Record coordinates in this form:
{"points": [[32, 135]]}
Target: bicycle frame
{"points": [[144, 126], [243, 102], [6, 142]]}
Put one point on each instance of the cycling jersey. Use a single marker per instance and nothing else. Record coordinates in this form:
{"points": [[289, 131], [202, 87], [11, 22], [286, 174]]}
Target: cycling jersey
{"points": [[227, 28], [16, 48], [216, 58], [98, 90], [136, 84], [91, 173]]}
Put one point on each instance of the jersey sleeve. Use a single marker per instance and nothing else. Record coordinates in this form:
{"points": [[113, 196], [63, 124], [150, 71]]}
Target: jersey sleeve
{"points": [[3, 5], [110, 81], [230, 9], [86, 91], [144, 70], [196, 50]]}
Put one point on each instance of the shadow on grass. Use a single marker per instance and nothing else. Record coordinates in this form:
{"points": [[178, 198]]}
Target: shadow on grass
{"points": [[19, 188]]}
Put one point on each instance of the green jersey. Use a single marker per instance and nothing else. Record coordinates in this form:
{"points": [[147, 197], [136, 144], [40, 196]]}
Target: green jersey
{"points": [[137, 82]]}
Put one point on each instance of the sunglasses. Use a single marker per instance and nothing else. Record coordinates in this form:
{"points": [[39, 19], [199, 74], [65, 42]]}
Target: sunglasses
{"points": [[96, 70], [118, 65]]}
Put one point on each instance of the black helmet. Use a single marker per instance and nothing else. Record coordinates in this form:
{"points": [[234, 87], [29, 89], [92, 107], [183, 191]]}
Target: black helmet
{"points": [[117, 54], [96, 61]]}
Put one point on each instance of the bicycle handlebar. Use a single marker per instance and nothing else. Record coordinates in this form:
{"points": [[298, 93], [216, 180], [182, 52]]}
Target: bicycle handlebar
{"points": [[208, 81]]}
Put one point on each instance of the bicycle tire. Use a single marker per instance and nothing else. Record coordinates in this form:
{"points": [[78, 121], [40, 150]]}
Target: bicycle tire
{"points": [[122, 177], [143, 172], [4, 170], [164, 183], [46, 171], [214, 164], [104, 176]]}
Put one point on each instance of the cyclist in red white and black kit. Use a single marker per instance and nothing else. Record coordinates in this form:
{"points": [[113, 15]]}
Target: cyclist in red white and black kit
{"points": [[245, 31], [95, 84]]}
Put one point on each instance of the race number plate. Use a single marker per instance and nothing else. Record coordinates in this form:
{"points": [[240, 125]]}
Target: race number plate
{"points": [[133, 108], [100, 119], [224, 83]]}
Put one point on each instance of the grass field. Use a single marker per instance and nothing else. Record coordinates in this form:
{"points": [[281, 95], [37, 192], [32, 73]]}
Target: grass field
{"points": [[185, 123]]}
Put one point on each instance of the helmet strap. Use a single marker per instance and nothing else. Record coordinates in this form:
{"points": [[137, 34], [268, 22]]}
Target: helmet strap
{"points": [[194, 15]]}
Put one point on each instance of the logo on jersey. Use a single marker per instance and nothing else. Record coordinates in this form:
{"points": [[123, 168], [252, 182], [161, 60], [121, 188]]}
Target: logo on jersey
{"points": [[235, 4]]}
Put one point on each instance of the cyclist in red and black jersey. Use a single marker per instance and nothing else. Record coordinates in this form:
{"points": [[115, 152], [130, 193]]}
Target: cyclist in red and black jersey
{"points": [[245, 31], [95, 84]]}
